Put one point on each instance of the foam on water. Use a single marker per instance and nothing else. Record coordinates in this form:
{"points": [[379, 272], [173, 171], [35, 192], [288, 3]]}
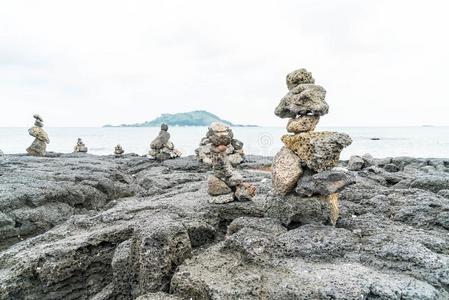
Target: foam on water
{"points": [[393, 141]]}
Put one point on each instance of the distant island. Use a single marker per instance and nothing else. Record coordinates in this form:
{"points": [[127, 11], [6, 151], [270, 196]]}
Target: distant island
{"points": [[192, 118]]}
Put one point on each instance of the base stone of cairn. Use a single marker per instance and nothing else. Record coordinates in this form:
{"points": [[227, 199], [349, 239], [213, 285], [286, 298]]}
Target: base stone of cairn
{"points": [[118, 150], [80, 147], [234, 149], [226, 184], [161, 147], [305, 180], [39, 145]]}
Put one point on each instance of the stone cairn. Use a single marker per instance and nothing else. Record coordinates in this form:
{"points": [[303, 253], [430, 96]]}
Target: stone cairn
{"points": [[234, 150], [161, 147], [39, 145], [304, 167], [118, 150], [226, 184], [80, 147]]}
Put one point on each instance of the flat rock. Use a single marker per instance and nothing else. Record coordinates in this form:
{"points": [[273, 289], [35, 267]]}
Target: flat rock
{"points": [[323, 183]]}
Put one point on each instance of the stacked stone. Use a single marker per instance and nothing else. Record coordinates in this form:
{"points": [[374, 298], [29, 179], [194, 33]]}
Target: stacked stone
{"points": [[305, 165], [161, 147], [226, 184], [118, 150], [1, 152], [234, 149], [39, 145], [80, 147]]}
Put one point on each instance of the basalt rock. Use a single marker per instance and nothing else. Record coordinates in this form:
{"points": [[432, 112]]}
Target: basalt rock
{"points": [[318, 150], [39, 145], [220, 134], [303, 168], [161, 147]]}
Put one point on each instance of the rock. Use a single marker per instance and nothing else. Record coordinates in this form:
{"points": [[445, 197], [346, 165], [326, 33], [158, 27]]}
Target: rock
{"points": [[158, 296], [285, 171], [1, 153], [80, 147], [37, 148], [38, 118], [319, 151], [368, 160], [161, 148], [323, 183], [355, 163], [222, 199], [302, 124], [392, 168], [216, 186], [304, 99], [220, 135], [268, 225], [118, 150], [39, 134], [300, 76], [245, 192]]}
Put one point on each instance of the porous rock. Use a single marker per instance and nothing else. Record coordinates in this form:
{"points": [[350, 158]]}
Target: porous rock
{"points": [[285, 171], [302, 124], [319, 151], [323, 183]]}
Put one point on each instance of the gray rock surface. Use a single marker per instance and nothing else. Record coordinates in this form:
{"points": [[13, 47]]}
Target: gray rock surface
{"points": [[97, 227]]}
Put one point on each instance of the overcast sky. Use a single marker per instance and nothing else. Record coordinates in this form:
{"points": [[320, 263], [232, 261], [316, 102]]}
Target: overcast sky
{"points": [[89, 63]]}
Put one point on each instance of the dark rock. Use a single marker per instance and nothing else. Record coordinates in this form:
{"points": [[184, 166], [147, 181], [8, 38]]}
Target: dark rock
{"points": [[391, 168], [323, 183], [355, 163]]}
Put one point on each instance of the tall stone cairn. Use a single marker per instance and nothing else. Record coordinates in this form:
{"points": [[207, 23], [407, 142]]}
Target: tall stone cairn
{"points": [[304, 167], [39, 145], [226, 184]]}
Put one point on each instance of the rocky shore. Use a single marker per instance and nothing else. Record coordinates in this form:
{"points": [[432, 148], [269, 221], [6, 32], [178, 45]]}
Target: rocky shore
{"points": [[104, 227]]}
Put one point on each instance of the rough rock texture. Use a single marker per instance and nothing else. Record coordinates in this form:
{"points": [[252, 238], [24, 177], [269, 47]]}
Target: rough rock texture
{"points": [[297, 77], [323, 183], [118, 150], [136, 227], [302, 124], [220, 134], [161, 147], [39, 145], [285, 171], [355, 163], [318, 150], [304, 99]]}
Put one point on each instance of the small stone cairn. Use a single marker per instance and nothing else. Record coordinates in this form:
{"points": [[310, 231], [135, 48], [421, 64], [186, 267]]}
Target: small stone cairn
{"points": [[80, 147], [234, 150], [161, 147], [226, 184], [304, 167], [118, 150], [39, 145]]}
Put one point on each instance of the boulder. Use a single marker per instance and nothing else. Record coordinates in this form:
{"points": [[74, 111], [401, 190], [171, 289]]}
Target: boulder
{"points": [[355, 163], [304, 99], [285, 171], [216, 186], [323, 183], [319, 151]]}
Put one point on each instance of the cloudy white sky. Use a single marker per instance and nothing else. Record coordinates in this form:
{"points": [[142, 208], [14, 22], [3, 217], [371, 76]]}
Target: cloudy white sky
{"points": [[88, 63]]}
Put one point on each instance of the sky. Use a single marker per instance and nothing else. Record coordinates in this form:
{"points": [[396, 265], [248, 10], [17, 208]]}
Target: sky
{"points": [[90, 63]]}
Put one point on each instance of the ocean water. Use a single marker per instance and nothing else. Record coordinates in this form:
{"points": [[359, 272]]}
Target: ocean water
{"points": [[393, 141]]}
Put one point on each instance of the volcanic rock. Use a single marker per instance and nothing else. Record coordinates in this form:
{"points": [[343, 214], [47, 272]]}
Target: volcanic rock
{"points": [[302, 124], [285, 171], [161, 147], [39, 145]]}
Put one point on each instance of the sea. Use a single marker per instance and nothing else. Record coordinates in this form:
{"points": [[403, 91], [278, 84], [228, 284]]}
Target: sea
{"points": [[425, 142]]}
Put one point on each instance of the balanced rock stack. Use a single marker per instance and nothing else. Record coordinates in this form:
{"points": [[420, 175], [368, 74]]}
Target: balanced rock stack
{"points": [[234, 149], [118, 150], [39, 145], [305, 165], [80, 147], [161, 147], [226, 184]]}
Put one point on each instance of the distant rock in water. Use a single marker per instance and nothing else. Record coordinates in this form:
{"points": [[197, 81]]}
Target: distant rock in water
{"points": [[193, 118]]}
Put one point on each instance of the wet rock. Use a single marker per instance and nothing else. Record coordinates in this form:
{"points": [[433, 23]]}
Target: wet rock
{"points": [[319, 151], [286, 170]]}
